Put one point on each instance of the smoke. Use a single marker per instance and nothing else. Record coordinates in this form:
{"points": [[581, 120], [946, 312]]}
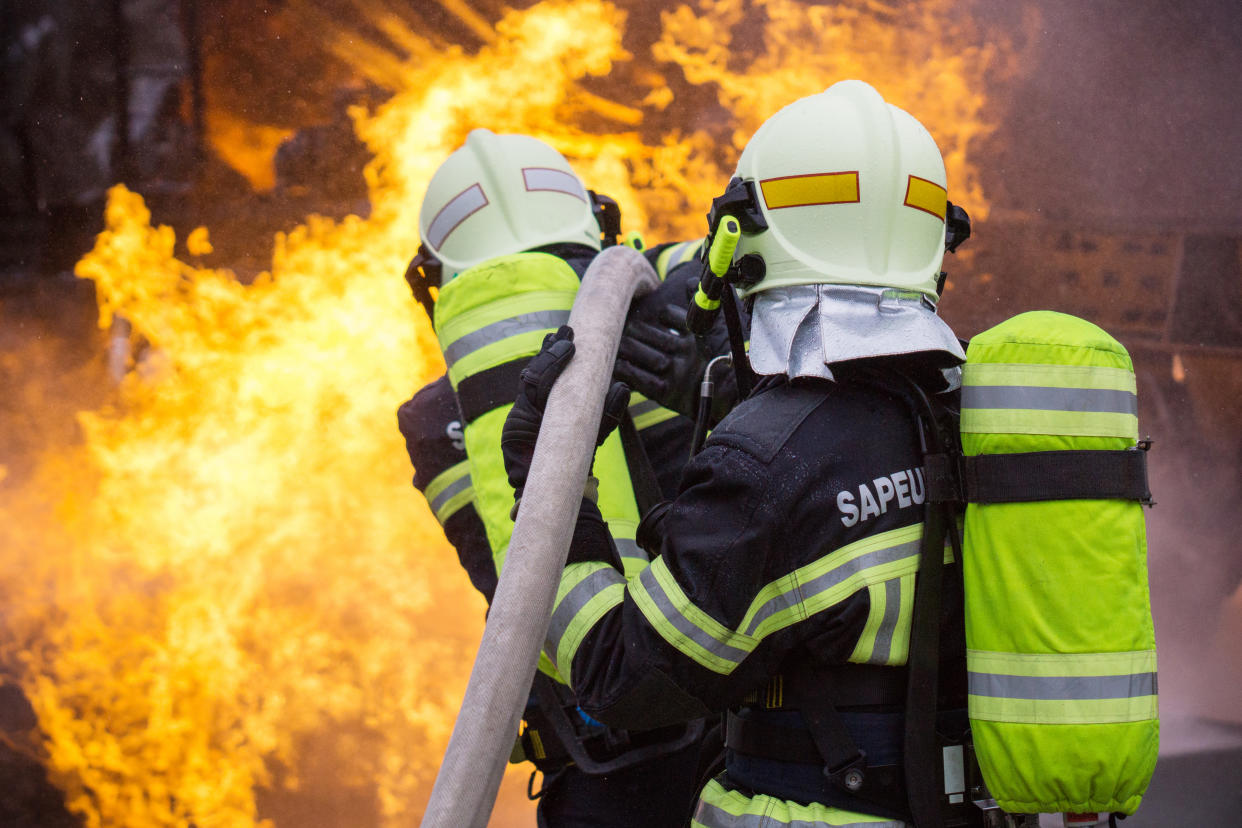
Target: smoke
{"points": [[1127, 112], [1195, 570]]}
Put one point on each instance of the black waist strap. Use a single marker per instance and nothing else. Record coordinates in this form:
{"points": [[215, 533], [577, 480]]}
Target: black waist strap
{"points": [[851, 685], [488, 390], [768, 741]]}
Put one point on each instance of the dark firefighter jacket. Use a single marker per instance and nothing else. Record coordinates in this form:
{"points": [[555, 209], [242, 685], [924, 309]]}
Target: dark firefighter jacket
{"points": [[792, 545], [431, 425]]}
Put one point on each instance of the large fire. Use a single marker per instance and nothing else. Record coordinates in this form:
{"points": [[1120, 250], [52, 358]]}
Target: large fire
{"points": [[229, 586]]}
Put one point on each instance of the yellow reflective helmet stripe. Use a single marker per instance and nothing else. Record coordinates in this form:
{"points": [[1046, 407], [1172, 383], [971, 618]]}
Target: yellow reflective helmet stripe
{"points": [[927, 196], [810, 190], [450, 490]]}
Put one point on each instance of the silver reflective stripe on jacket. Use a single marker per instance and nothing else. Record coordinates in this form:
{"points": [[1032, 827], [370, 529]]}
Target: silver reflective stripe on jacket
{"points": [[835, 576]]}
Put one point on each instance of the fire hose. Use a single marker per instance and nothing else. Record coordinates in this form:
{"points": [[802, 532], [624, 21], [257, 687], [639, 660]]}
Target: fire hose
{"points": [[474, 762]]}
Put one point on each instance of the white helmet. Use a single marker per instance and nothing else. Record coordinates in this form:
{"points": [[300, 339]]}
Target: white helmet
{"points": [[852, 190], [502, 194], [842, 200]]}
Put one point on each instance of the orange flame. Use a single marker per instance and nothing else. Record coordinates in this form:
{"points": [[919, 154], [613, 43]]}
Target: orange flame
{"points": [[232, 570]]}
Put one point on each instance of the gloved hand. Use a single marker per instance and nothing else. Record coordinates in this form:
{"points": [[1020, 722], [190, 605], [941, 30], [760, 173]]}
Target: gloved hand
{"points": [[521, 428], [658, 357]]}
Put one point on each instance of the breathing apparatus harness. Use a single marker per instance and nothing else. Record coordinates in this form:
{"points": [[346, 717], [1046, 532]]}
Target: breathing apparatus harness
{"points": [[425, 273]]}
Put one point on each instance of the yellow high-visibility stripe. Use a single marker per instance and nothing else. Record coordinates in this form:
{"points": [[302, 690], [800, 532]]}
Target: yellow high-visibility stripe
{"points": [[927, 196], [653, 417], [1051, 376], [810, 190], [1063, 711], [1061, 664]]}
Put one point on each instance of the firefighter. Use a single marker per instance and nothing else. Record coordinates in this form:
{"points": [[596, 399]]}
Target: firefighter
{"points": [[782, 592], [508, 230]]}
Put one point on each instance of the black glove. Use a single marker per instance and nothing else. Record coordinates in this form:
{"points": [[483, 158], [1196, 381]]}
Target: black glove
{"points": [[521, 428], [658, 357]]}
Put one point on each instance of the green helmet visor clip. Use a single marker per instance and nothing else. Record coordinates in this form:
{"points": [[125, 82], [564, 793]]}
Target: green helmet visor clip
{"points": [[733, 213], [423, 276]]}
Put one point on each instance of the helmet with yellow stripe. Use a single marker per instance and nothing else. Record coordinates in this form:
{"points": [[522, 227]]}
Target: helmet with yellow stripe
{"points": [[852, 190], [842, 204], [503, 194]]}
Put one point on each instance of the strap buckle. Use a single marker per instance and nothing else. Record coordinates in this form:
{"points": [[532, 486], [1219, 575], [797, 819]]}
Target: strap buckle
{"points": [[849, 774], [943, 473], [1144, 445]]}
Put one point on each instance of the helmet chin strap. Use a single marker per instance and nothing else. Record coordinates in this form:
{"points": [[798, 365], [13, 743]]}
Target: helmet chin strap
{"points": [[956, 231], [607, 216], [423, 276]]}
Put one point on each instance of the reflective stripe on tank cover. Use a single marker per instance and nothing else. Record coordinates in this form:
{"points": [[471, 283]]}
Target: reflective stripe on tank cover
{"points": [[1074, 400], [645, 413], [503, 329], [1062, 688], [547, 179], [587, 591], [449, 491], [720, 808], [678, 254], [459, 208], [782, 603]]}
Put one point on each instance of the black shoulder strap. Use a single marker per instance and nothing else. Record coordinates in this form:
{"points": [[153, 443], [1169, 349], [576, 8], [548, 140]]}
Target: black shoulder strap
{"points": [[920, 754], [642, 475], [737, 346], [490, 389]]}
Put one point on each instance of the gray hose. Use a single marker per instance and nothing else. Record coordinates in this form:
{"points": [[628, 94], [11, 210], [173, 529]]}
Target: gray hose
{"points": [[465, 788]]}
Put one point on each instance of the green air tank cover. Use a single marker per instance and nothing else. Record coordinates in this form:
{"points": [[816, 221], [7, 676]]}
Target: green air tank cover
{"points": [[1060, 645]]}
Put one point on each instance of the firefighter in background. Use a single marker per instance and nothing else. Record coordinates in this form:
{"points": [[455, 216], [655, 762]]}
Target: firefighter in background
{"points": [[508, 230], [783, 588]]}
